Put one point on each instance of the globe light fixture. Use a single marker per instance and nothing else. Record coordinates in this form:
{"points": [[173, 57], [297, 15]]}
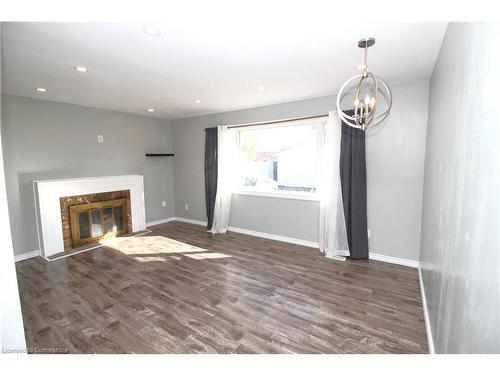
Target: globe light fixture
{"points": [[366, 99]]}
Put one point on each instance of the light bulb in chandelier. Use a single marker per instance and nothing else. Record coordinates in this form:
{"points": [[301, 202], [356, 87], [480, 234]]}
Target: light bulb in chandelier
{"points": [[367, 103], [367, 99], [365, 109]]}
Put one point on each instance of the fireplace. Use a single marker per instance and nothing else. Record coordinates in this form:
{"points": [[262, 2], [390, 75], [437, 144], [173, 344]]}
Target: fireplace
{"points": [[91, 222], [91, 217], [101, 207]]}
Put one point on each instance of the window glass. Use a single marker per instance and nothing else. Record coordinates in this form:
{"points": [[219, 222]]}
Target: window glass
{"points": [[281, 158]]}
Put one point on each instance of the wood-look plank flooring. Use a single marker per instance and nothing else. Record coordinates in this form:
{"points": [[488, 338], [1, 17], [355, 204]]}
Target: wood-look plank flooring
{"points": [[179, 289], [95, 245]]}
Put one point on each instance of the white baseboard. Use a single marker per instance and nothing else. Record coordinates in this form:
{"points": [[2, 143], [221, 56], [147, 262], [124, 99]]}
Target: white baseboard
{"points": [[24, 256], [275, 237], [161, 221], [191, 221], [430, 340], [394, 260]]}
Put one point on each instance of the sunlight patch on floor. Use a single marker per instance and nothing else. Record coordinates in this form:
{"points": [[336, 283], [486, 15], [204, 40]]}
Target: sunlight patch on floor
{"points": [[207, 256], [159, 248]]}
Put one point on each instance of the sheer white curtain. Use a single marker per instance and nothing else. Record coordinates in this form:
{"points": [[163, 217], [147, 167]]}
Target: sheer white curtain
{"points": [[226, 155], [332, 227]]}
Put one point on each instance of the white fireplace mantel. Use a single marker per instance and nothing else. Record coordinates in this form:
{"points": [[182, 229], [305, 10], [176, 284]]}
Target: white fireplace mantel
{"points": [[48, 209]]}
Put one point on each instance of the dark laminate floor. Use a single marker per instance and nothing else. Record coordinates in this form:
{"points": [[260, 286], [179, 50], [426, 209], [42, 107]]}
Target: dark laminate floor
{"points": [[180, 290]]}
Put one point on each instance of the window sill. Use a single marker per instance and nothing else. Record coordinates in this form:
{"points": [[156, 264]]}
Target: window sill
{"points": [[269, 194]]}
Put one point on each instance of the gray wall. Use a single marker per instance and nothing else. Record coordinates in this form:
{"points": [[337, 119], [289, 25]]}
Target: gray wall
{"points": [[460, 252], [395, 162], [43, 140], [11, 319]]}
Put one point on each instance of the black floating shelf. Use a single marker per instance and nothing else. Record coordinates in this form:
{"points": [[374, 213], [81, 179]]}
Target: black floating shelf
{"points": [[159, 154]]}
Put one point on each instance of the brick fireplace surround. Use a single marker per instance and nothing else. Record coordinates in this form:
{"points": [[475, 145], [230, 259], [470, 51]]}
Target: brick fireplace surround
{"points": [[66, 202]]}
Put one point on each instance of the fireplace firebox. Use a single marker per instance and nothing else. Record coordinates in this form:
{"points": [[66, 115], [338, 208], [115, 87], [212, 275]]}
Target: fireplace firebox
{"points": [[92, 222], [88, 218]]}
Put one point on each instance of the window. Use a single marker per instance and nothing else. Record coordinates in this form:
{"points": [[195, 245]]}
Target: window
{"points": [[280, 160]]}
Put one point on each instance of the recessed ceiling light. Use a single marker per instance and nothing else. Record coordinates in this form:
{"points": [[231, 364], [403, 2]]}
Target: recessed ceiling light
{"points": [[41, 89], [151, 109], [81, 69], [261, 88], [197, 101], [151, 31]]}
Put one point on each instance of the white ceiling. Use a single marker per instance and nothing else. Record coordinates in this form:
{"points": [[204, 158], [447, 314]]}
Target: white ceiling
{"points": [[221, 62]]}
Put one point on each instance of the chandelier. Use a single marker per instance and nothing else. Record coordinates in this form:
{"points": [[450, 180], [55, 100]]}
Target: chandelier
{"points": [[366, 95]]}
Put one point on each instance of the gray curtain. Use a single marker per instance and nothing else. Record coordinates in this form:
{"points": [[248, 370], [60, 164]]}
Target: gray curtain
{"points": [[210, 173], [353, 181]]}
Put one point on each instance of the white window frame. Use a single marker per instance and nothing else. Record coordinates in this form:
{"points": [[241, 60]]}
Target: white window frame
{"points": [[320, 123]]}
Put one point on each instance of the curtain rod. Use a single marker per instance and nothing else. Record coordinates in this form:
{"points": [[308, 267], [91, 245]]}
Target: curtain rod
{"points": [[276, 121]]}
